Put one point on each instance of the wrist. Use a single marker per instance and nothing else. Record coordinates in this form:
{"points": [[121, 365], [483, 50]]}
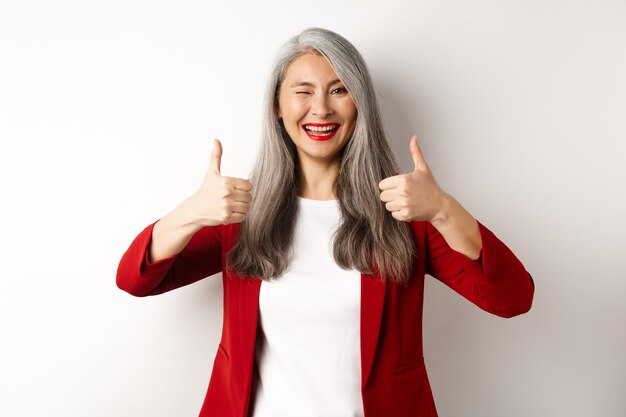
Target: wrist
{"points": [[459, 228], [181, 217], [446, 210]]}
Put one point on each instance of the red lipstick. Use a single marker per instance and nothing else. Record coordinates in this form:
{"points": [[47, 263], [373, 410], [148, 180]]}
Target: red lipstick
{"points": [[321, 135]]}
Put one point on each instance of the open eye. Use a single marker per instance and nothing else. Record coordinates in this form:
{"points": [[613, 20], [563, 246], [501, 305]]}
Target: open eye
{"points": [[342, 90]]}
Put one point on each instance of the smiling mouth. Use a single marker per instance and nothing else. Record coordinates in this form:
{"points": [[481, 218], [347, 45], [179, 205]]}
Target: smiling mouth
{"points": [[318, 129], [320, 132]]}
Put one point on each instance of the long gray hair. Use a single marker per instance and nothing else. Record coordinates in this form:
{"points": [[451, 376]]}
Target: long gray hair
{"points": [[369, 239]]}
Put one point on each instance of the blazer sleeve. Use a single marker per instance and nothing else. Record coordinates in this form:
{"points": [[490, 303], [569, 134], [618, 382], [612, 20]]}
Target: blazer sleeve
{"points": [[497, 281], [200, 258]]}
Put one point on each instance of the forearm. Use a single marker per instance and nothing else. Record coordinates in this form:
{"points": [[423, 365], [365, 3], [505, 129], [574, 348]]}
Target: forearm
{"points": [[171, 234], [459, 228]]}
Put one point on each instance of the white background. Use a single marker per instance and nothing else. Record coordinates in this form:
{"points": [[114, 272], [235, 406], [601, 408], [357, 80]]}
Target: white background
{"points": [[107, 115]]}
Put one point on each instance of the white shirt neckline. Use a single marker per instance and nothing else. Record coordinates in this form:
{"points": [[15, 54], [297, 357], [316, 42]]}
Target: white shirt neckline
{"points": [[318, 203]]}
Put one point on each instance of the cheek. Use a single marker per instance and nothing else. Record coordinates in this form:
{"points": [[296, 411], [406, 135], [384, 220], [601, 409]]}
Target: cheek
{"points": [[293, 109], [352, 116], [348, 109]]}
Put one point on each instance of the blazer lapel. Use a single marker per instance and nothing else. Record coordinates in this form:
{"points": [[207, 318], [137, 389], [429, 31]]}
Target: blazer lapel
{"points": [[372, 303], [248, 311]]}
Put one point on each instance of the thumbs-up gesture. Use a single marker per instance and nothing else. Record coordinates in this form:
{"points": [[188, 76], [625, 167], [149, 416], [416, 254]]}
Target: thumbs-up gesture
{"points": [[414, 195], [219, 200]]}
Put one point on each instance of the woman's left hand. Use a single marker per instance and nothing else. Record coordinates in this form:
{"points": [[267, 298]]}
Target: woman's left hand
{"points": [[414, 195]]}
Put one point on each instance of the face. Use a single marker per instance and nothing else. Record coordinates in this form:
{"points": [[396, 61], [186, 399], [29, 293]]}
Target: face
{"points": [[317, 110]]}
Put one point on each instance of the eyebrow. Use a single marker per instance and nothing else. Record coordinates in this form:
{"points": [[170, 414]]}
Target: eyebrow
{"points": [[309, 84]]}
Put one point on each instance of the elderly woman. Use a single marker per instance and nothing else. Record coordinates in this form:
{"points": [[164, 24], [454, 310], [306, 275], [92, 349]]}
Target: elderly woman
{"points": [[323, 252]]}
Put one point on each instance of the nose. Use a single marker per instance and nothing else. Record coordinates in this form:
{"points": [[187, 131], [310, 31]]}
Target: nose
{"points": [[321, 106]]}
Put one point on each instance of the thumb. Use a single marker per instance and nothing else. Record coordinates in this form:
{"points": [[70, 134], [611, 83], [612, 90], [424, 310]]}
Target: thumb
{"points": [[416, 153], [216, 158]]}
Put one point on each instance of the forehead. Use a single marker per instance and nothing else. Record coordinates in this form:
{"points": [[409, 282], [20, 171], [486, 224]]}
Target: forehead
{"points": [[310, 67]]}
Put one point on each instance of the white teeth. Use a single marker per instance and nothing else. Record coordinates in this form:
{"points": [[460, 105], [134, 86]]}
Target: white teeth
{"points": [[320, 129]]}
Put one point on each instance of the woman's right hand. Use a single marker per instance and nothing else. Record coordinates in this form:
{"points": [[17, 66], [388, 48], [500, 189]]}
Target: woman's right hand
{"points": [[219, 200]]}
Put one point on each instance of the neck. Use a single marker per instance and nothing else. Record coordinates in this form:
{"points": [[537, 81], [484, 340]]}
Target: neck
{"points": [[317, 181]]}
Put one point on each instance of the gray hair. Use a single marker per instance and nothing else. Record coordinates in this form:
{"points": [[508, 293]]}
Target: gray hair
{"points": [[369, 239]]}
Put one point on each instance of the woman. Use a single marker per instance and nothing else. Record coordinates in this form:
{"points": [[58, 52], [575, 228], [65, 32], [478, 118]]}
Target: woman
{"points": [[323, 252]]}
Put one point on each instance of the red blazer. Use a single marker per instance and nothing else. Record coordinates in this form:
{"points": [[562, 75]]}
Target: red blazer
{"points": [[394, 380]]}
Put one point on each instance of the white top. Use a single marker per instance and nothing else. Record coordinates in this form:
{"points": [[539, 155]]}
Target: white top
{"points": [[307, 355]]}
